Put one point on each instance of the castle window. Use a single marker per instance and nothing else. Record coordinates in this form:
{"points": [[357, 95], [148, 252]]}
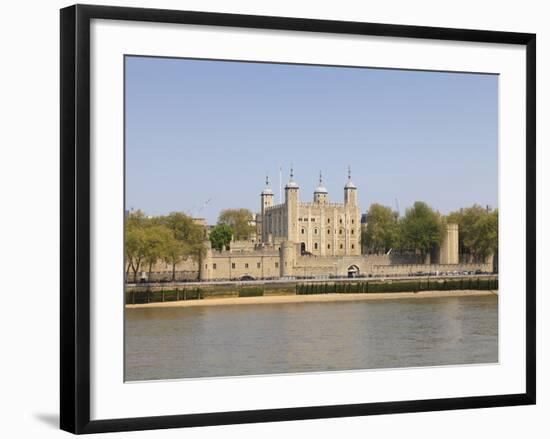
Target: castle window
{"points": [[352, 231], [328, 231], [341, 246], [352, 221], [341, 231], [316, 231], [352, 246], [328, 221], [276, 265], [313, 219], [245, 265], [328, 246], [315, 246], [340, 220], [233, 265], [258, 265], [214, 266], [303, 231]]}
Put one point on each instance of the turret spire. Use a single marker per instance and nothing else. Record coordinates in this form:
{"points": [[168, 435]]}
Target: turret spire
{"points": [[267, 190], [349, 184], [291, 183], [321, 189]]}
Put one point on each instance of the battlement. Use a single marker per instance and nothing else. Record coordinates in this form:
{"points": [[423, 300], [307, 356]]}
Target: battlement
{"points": [[313, 204], [274, 207]]}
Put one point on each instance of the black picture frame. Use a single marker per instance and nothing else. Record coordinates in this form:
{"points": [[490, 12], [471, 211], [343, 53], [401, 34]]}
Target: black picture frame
{"points": [[75, 217]]}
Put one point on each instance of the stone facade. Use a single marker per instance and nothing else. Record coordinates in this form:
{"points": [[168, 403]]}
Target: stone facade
{"points": [[320, 227], [317, 239], [310, 239]]}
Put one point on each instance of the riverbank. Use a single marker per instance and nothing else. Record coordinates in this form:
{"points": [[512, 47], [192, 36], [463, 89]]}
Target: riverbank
{"points": [[312, 298]]}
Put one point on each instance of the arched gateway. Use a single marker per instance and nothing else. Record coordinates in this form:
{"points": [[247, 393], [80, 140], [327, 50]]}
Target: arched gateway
{"points": [[353, 271]]}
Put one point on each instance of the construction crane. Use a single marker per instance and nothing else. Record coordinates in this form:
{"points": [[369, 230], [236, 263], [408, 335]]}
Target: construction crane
{"points": [[199, 210], [204, 205]]}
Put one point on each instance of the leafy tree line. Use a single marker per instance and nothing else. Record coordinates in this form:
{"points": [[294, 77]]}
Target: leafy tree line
{"points": [[478, 231], [423, 228], [170, 238], [177, 237]]}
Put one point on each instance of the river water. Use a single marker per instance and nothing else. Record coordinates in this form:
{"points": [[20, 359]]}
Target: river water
{"points": [[167, 343]]}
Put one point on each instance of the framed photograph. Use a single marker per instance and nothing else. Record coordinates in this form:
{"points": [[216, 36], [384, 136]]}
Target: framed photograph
{"points": [[274, 218]]}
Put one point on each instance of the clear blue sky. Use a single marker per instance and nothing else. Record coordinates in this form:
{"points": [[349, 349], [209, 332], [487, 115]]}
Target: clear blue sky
{"points": [[210, 130]]}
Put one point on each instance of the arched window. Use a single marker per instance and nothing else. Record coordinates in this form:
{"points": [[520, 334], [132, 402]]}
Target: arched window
{"points": [[328, 246], [328, 231], [315, 230], [352, 231], [315, 246], [341, 231], [303, 231]]}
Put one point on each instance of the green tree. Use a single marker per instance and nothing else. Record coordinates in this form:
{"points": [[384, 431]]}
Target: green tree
{"points": [[137, 218], [484, 236], [135, 247], [382, 231], [240, 221], [422, 228], [157, 237], [220, 236], [188, 239], [173, 253], [478, 231]]}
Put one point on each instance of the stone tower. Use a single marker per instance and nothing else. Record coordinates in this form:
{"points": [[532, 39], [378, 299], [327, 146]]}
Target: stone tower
{"points": [[291, 208], [287, 254], [205, 264], [320, 196], [448, 252], [350, 191], [267, 201]]}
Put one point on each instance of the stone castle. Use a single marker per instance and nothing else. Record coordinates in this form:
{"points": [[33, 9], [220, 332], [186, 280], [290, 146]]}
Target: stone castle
{"points": [[318, 239]]}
